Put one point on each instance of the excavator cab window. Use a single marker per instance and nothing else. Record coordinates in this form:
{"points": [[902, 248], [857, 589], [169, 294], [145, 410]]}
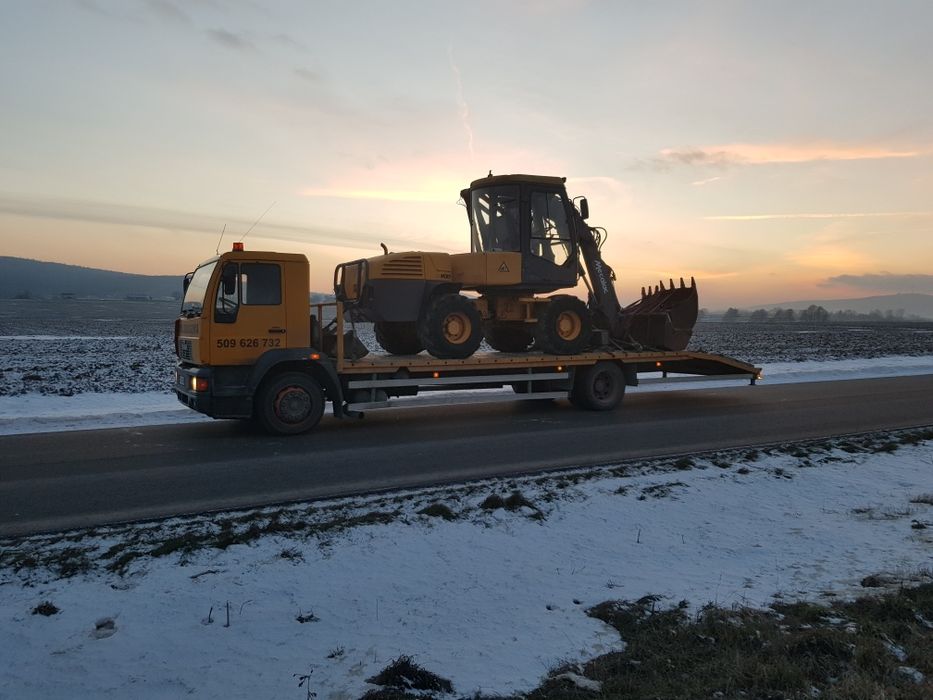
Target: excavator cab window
{"points": [[550, 229], [495, 219]]}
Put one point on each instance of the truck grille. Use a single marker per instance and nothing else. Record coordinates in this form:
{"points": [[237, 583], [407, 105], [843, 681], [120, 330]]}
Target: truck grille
{"points": [[409, 266], [186, 349]]}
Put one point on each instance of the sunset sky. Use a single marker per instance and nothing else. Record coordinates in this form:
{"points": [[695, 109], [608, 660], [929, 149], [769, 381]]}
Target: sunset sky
{"points": [[774, 150]]}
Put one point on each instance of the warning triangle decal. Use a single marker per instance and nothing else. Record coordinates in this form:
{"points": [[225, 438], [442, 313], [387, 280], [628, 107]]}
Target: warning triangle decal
{"points": [[503, 268]]}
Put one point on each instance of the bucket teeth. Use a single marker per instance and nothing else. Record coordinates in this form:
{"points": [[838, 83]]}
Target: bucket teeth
{"points": [[672, 284], [661, 282], [682, 285], [643, 295]]}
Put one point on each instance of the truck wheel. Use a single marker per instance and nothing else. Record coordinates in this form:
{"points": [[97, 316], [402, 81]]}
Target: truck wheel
{"points": [[289, 404], [599, 387], [508, 337], [451, 327], [563, 327], [398, 338]]}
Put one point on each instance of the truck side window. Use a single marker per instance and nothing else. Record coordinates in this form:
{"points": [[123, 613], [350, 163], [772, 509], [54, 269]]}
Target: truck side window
{"points": [[550, 230], [228, 294], [261, 284]]}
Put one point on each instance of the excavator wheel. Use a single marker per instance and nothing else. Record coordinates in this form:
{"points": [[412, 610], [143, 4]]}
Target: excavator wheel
{"points": [[563, 327], [508, 337], [450, 327], [599, 387], [398, 338]]}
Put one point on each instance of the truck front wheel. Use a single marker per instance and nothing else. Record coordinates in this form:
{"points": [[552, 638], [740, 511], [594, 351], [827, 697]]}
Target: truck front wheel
{"points": [[289, 404]]}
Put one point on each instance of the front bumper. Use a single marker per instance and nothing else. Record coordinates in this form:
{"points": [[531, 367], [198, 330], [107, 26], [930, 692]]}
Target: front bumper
{"points": [[222, 399]]}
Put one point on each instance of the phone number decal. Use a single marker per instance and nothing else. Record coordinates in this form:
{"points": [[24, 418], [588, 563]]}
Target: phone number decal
{"points": [[249, 342]]}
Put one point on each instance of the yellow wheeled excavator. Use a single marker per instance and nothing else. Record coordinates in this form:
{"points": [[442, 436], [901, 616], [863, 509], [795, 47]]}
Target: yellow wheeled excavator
{"points": [[528, 238]]}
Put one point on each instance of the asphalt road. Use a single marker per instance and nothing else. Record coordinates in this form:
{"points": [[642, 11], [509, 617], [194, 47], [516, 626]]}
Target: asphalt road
{"points": [[55, 481]]}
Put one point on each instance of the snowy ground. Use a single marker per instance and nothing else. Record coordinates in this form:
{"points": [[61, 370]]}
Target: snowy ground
{"points": [[492, 599], [33, 412]]}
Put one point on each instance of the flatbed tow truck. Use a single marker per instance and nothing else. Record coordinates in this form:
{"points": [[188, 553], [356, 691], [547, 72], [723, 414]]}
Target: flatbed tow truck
{"points": [[251, 346]]}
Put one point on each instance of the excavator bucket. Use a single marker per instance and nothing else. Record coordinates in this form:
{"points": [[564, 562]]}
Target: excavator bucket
{"points": [[663, 318]]}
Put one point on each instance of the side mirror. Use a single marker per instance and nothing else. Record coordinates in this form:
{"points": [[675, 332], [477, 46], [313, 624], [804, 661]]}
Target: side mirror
{"points": [[187, 281], [584, 209]]}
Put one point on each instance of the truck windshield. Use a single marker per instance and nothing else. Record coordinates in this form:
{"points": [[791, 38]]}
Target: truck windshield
{"points": [[495, 219], [197, 288]]}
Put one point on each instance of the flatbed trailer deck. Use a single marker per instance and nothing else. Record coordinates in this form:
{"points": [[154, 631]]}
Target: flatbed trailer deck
{"points": [[594, 380]]}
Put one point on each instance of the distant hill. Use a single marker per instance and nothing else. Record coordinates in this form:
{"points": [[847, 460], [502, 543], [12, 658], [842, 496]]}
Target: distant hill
{"points": [[21, 277], [911, 304]]}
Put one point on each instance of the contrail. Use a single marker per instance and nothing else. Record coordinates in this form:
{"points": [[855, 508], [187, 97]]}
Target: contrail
{"points": [[461, 101]]}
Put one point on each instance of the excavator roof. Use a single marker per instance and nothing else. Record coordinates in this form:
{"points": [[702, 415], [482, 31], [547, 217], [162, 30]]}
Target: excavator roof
{"points": [[517, 180]]}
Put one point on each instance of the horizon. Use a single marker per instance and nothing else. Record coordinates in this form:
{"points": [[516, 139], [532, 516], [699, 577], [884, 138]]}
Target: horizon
{"points": [[742, 308], [770, 152]]}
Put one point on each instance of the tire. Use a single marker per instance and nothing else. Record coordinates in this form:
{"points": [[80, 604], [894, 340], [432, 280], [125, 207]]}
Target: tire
{"points": [[599, 387], [289, 403], [564, 326], [450, 327], [508, 337], [398, 338]]}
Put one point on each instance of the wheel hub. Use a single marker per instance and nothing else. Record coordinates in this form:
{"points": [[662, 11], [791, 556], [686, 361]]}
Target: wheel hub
{"points": [[292, 405], [457, 328], [568, 325], [602, 386]]}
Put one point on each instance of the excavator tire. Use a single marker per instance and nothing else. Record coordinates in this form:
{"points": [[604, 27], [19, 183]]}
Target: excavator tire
{"points": [[564, 326], [398, 338], [508, 337], [599, 387], [450, 327]]}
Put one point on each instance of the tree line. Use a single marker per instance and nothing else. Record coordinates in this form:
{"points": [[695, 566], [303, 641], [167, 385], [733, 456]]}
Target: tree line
{"points": [[812, 314]]}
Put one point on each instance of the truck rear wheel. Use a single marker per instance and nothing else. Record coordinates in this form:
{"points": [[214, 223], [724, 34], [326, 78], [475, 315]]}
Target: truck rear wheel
{"points": [[451, 327], [563, 327], [508, 337], [289, 403], [398, 338], [599, 387]]}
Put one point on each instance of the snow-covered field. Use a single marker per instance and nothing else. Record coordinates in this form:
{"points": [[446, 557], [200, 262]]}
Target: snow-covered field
{"points": [[492, 599]]}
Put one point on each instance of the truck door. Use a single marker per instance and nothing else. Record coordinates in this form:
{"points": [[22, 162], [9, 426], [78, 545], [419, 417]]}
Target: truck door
{"points": [[249, 313]]}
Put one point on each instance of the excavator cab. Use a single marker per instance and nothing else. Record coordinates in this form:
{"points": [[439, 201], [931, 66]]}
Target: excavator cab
{"points": [[530, 215]]}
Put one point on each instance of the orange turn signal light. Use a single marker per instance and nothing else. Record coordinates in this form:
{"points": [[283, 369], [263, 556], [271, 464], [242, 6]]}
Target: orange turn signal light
{"points": [[199, 384], [657, 364], [315, 356], [437, 375]]}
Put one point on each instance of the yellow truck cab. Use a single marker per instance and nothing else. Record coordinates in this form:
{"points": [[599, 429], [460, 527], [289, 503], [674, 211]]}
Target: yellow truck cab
{"points": [[245, 330]]}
